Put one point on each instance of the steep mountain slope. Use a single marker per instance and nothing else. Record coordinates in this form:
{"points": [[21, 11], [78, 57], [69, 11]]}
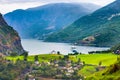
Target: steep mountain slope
{"points": [[9, 39], [100, 28], [41, 21]]}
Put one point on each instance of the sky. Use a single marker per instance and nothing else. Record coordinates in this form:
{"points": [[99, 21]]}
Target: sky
{"points": [[10, 5]]}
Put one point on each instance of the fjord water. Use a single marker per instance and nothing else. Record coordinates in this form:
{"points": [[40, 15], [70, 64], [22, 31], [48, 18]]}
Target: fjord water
{"points": [[35, 47]]}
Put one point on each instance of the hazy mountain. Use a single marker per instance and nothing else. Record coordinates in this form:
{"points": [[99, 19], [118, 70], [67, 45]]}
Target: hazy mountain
{"points": [[43, 20], [101, 28], [9, 39]]}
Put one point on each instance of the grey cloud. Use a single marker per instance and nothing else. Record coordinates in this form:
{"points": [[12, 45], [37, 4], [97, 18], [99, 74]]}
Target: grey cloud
{"points": [[17, 1], [101, 2], [25, 1]]}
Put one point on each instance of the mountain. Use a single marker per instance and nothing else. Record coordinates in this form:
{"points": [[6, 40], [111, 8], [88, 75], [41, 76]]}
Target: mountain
{"points": [[43, 20], [100, 28], [9, 39]]}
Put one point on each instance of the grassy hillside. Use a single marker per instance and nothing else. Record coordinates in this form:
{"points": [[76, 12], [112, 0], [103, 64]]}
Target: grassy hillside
{"points": [[111, 73], [106, 59]]}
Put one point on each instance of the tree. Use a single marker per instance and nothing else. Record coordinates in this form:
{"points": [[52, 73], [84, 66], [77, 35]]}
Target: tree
{"points": [[61, 63], [26, 77], [25, 54], [100, 63], [25, 58], [76, 53], [83, 63], [13, 54], [79, 60], [58, 52], [66, 57], [36, 58]]}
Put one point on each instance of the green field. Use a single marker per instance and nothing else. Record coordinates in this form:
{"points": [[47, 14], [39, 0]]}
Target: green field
{"points": [[42, 57], [87, 70], [106, 59], [94, 59]]}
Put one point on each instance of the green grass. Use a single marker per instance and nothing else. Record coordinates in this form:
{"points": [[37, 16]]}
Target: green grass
{"points": [[42, 57], [106, 59], [107, 75], [94, 59], [87, 70]]}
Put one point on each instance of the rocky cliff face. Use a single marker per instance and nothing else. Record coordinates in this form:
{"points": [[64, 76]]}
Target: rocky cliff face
{"points": [[9, 40]]}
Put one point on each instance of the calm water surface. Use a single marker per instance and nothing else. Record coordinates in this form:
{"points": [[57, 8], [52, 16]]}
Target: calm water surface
{"points": [[35, 47]]}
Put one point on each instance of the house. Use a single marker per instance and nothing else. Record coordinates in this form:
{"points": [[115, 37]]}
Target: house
{"points": [[68, 74], [70, 70], [37, 62], [53, 52], [31, 77], [56, 65]]}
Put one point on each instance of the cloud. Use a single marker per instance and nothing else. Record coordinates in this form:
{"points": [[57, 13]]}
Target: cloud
{"points": [[10, 5], [51, 1], [15, 1]]}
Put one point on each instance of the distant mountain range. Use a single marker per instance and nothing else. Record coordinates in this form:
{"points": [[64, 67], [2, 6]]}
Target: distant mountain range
{"points": [[41, 21], [101, 28], [9, 39]]}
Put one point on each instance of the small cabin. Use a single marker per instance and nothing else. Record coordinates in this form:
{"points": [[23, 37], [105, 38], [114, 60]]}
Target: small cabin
{"points": [[53, 52]]}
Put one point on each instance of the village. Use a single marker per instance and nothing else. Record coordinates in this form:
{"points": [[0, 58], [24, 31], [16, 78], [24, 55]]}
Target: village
{"points": [[61, 68], [56, 69]]}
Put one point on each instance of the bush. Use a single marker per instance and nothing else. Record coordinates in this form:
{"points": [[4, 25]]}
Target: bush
{"points": [[13, 54], [36, 58], [25, 54]]}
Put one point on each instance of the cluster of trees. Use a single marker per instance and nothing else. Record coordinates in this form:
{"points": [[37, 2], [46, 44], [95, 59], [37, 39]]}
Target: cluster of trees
{"points": [[98, 52], [76, 53], [44, 70], [9, 70]]}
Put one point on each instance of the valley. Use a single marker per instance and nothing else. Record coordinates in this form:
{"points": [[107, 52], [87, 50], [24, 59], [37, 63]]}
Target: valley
{"points": [[84, 64], [60, 40]]}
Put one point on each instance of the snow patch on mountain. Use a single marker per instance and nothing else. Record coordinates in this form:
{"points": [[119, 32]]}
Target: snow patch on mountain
{"points": [[113, 15]]}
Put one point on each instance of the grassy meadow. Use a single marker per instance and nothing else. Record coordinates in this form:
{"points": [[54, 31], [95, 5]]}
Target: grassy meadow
{"points": [[42, 57], [94, 59]]}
